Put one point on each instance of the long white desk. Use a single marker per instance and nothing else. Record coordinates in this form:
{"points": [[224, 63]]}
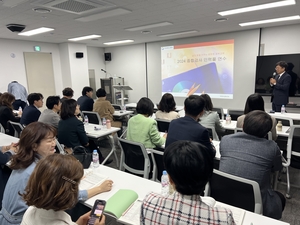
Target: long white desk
{"points": [[143, 186], [6, 140], [93, 133], [293, 116], [133, 105], [120, 113]]}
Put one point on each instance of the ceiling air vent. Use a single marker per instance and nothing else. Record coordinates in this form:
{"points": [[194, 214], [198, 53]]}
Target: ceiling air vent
{"points": [[74, 6]]}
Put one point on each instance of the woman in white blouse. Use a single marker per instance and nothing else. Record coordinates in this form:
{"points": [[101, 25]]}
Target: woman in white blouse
{"points": [[166, 108]]}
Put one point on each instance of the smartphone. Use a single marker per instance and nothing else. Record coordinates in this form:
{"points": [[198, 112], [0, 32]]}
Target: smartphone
{"points": [[97, 211]]}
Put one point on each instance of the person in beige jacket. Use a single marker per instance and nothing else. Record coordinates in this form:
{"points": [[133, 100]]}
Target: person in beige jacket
{"points": [[104, 108]]}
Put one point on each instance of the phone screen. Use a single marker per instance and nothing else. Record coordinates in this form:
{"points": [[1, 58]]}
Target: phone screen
{"points": [[97, 211]]}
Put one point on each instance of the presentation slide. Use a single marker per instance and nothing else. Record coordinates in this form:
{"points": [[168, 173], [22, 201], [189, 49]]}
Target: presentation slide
{"points": [[198, 68]]}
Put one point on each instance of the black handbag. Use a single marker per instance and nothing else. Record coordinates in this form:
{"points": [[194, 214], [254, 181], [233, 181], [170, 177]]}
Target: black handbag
{"points": [[83, 156]]}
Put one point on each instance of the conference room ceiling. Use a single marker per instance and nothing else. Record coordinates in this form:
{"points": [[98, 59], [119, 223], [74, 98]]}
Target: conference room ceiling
{"points": [[184, 15]]}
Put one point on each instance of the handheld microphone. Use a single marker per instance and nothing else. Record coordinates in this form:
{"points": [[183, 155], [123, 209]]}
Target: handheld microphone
{"points": [[274, 74], [103, 70]]}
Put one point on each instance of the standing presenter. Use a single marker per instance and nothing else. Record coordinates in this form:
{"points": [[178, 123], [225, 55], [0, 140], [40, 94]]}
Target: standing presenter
{"points": [[280, 84]]}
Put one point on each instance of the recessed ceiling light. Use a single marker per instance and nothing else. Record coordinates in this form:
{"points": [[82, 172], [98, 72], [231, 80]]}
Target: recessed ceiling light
{"points": [[221, 19], [144, 27], [42, 10], [178, 33], [118, 42], [257, 7], [84, 37], [270, 21], [36, 31]]}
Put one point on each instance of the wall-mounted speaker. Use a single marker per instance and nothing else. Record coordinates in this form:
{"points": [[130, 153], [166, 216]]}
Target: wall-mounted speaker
{"points": [[79, 55], [107, 56]]}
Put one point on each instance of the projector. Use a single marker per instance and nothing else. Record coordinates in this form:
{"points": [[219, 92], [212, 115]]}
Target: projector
{"points": [[15, 27]]}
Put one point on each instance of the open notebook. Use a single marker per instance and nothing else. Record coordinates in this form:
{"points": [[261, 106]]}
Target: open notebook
{"points": [[90, 180]]}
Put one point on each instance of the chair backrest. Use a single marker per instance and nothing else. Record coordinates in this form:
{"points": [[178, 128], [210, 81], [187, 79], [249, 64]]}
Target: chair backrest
{"points": [[212, 133], [158, 164], [236, 191], [17, 128], [220, 112], [293, 147], [2, 130], [116, 107], [162, 125], [134, 158], [93, 117], [234, 114]]}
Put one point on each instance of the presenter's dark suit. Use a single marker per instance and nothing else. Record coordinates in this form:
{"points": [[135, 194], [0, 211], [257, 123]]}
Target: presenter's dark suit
{"points": [[186, 128], [30, 114], [280, 94]]}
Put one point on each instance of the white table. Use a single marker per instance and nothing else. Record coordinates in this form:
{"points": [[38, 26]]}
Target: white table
{"points": [[120, 113], [95, 134], [293, 116], [6, 140], [230, 126], [143, 186]]}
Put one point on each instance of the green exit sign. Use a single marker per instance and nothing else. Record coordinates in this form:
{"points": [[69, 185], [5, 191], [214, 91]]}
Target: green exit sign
{"points": [[37, 48]]}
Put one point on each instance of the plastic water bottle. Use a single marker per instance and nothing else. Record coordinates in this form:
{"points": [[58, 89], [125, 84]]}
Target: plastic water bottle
{"points": [[104, 123], [86, 119], [282, 109], [228, 119], [164, 184], [95, 159]]}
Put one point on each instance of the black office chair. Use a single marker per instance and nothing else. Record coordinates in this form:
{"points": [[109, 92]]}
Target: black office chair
{"points": [[2, 130], [18, 128], [235, 191], [162, 125], [158, 164], [212, 133], [234, 114], [94, 117], [116, 107], [220, 112], [134, 158]]}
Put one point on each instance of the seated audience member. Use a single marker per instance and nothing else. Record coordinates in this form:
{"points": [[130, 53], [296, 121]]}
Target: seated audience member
{"points": [[142, 128], [71, 130], [36, 142], [86, 100], [50, 115], [188, 128], [104, 108], [166, 108], [249, 155], [53, 187], [211, 118], [32, 113], [189, 166], [6, 112], [67, 94], [256, 102], [5, 154]]}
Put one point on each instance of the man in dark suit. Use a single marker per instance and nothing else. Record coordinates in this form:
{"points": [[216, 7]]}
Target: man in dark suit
{"points": [[188, 128], [32, 113], [86, 101], [280, 84]]}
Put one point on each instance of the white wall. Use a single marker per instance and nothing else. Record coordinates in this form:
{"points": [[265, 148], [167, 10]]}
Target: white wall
{"points": [[96, 62], [129, 62], [12, 62]]}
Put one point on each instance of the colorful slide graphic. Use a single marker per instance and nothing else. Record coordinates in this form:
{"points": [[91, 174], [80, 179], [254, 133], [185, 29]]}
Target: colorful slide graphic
{"points": [[198, 68]]}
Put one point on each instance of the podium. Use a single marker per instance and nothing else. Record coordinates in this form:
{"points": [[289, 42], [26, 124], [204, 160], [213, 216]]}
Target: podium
{"points": [[122, 88]]}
